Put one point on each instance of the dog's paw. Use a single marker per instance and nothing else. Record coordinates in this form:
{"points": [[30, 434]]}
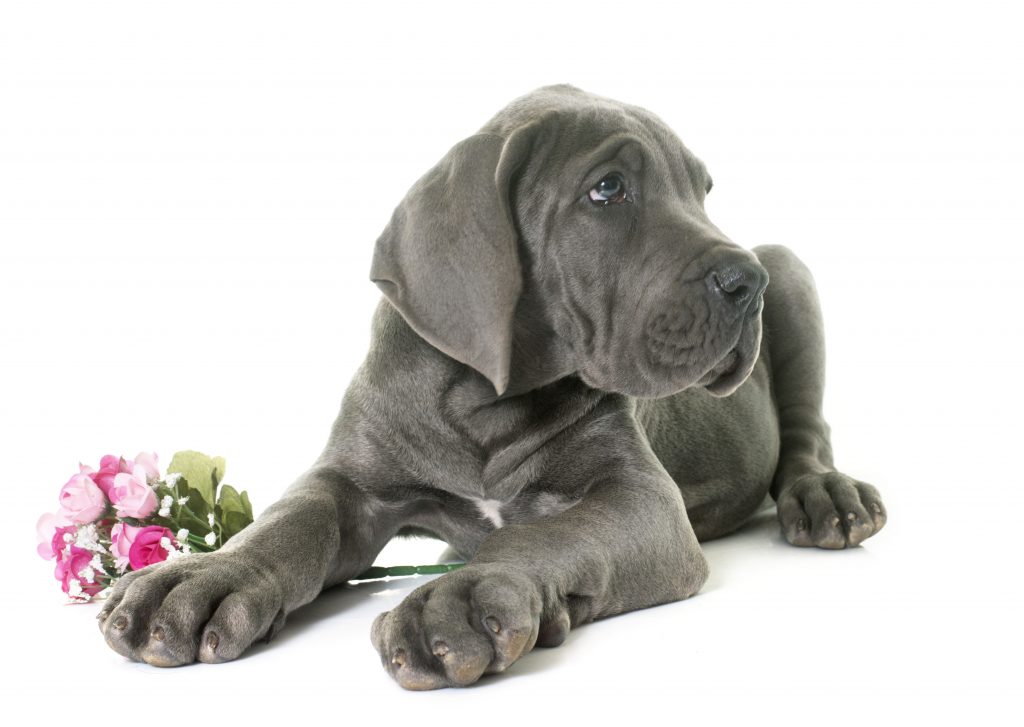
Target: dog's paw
{"points": [[474, 621], [829, 510], [207, 606]]}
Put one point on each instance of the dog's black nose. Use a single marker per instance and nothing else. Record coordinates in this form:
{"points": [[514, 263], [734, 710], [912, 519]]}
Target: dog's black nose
{"points": [[740, 284]]}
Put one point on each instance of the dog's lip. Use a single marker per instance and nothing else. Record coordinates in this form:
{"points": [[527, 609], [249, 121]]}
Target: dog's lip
{"points": [[721, 376]]}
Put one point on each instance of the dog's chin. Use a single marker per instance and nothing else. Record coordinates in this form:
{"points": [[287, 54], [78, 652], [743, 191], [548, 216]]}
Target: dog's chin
{"points": [[724, 376], [728, 374], [721, 379], [734, 367]]}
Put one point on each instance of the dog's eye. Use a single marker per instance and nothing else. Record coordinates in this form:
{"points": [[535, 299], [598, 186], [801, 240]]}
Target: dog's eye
{"points": [[610, 190]]}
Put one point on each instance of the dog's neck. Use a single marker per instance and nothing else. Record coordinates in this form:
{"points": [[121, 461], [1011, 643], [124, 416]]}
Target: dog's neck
{"points": [[448, 419]]}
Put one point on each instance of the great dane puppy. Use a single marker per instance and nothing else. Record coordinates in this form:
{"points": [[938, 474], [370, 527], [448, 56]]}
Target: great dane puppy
{"points": [[567, 382]]}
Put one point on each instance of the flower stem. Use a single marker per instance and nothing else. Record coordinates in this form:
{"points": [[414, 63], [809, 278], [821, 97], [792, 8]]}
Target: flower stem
{"points": [[377, 572]]}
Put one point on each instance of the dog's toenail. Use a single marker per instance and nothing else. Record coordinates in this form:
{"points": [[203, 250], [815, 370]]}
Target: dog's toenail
{"points": [[121, 623], [851, 517], [441, 648], [876, 507], [158, 633], [493, 624], [801, 524], [835, 521], [102, 616], [399, 658], [212, 641]]}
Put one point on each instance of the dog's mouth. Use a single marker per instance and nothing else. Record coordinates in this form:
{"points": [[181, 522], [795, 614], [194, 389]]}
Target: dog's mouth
{"points": [[735, 366], [724, 376]]}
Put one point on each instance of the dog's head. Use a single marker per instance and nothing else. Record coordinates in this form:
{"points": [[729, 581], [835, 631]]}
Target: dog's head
{"points": [[580, 220]]}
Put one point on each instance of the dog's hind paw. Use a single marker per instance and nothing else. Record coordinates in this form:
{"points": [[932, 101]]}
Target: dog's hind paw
{"points": [[829, 510], [208, 607], [449, 632]]}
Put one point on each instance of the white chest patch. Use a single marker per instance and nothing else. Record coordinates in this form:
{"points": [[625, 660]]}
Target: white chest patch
{"points": [[549, 503], [491, 509]]}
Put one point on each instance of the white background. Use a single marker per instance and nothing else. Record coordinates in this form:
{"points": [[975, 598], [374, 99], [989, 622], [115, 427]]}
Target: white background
{"points": [[189, 197]]}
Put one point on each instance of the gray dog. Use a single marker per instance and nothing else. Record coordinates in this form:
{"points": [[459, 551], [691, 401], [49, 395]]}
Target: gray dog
{"points": [[567, 383]]}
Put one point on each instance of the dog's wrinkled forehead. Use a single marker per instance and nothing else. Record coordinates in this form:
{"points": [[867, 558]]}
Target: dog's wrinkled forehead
{"points": [[579, 128]]}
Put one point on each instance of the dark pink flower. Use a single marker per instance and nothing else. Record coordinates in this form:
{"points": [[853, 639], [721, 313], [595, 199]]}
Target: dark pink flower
{"points": [[109, 466], [146, 548], [74, 564]]}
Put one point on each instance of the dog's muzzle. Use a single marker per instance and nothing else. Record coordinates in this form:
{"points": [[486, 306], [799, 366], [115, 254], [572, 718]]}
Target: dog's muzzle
{"points": [[715, 335]]}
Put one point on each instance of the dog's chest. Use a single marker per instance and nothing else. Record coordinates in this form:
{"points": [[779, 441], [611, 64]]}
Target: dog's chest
{"points": [[502, 447], [525, 507]]}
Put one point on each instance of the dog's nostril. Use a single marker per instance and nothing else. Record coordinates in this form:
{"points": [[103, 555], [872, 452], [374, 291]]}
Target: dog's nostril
{"points": [[733, 286], [740, 283]]}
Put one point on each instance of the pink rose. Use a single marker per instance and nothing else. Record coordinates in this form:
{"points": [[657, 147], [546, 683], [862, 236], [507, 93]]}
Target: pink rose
{"points": [[109, 466], [147, 461], [75, 565], [121, 538], [50, 530], [81, 501], [146, 549], [131, 495]]}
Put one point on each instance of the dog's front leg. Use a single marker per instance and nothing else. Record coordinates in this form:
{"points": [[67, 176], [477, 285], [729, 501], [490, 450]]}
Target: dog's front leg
{"points": [[212, 606], [626, 545], [817, 504]]}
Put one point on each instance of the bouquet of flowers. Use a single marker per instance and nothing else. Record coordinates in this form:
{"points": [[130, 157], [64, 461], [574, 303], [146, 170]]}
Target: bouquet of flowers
{"points": [[125, 516]]}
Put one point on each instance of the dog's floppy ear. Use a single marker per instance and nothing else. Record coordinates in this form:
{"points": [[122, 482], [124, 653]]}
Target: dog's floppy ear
{"points": [[448, 259]]}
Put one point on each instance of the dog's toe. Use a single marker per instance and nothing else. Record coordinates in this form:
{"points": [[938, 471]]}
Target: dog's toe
{"points": [[829, 510], [206, 607], [453, 630]]}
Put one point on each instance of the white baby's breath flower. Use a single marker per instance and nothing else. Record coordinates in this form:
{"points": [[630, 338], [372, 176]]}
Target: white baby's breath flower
{"points": [[88, 574], [186, 549], [211, 538], [87, 538], [172, 478], [74, 588], [164, 512], [183, 501], [182, 535], [167, 501], [209, 518], [68, 538], [165, 543], [96, 564]]}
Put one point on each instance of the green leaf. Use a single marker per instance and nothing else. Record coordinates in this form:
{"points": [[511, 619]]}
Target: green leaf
{"points": [[234, 523], [202, 472], [229, 500], [247, 505], [196, 503], [233, 511]]}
